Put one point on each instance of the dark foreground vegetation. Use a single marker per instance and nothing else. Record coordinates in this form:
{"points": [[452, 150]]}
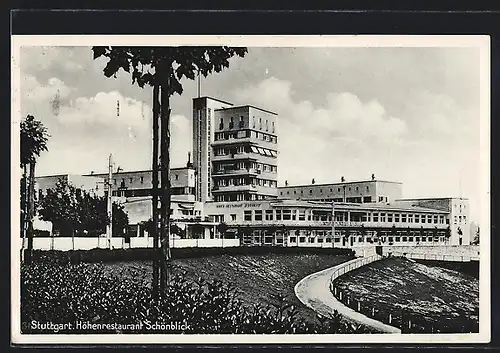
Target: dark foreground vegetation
{"points": [[89, 298]]}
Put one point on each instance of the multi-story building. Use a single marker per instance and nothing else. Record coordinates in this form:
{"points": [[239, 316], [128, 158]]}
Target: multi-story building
{"points": [[352, 191], [203, 137], [92, 184], [457, 209], [139, 183], [309, 223], [235, 151]]}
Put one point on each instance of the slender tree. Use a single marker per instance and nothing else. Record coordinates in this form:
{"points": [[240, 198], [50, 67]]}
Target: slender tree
{"points": [[165, 67], [34, 139]]}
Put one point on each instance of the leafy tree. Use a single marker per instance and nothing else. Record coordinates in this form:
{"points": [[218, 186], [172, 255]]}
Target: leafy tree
{"points": [[197, 231], [34, 137], [73, 211], [163, 68], [222, 228]]}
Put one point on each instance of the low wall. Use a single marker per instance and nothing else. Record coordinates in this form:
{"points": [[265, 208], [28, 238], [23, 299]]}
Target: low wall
{"points": [[458, 253], [88, 243]]}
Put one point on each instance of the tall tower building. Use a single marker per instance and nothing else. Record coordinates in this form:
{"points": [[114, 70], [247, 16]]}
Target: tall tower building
{"points": [[235, 151], [245, 154], [203, 136]]}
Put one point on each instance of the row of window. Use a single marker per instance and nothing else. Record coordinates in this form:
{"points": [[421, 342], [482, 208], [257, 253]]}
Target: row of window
{"points": [[288, 192], [245, 165], [302, 215], [460, 219], [242, 196], [147, 192], [241, 123], [225, 151], [311, 240], [240, 181], [224, 136]]}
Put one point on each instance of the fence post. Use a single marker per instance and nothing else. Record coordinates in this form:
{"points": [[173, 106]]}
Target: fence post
{"points": [[340, 296], [348, 301], [390, 318], [373, 312], [359, 306], [335, 289]]}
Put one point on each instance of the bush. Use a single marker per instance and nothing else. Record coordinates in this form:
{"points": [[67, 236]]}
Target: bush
{"points": [[62, 293]]}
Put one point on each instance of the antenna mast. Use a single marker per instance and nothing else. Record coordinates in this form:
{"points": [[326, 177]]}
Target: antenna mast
{"points": [[199, 84]]}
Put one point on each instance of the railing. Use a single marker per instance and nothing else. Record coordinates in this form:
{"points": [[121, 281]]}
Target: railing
{"points": [[405, 320]]}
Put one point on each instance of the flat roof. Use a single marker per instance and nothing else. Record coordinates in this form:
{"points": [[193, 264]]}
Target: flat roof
{"points": [[247, 106], [135, 171], [340, 183], [214, 99]]}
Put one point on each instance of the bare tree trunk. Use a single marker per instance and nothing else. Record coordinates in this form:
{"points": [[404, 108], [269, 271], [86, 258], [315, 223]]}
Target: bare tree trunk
{"points": [[154, 228], [165, 178], [24, 213], [31, 211]]}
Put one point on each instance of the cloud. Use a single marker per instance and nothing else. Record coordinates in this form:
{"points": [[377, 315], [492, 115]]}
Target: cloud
{"points": [[344, 115], [86, 129]]}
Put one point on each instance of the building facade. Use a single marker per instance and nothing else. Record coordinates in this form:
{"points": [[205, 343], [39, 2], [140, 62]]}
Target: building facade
{"points": [[203, 137], [140, 183], [245, 155], [379, 191], [308, 223]]}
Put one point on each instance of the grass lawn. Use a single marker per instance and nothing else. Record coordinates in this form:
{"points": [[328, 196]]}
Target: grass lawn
{"points": [[258, 278], [433, 295]]}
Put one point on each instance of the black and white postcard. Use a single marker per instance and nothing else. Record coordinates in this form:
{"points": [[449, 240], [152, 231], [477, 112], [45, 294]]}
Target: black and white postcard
{"points": [[253, 189]]}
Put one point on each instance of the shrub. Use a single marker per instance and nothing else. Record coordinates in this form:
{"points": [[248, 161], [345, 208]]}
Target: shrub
{"points": [[66, 293]]}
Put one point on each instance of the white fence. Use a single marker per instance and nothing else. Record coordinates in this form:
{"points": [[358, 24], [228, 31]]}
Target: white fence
{"points": [[81, 243], [352, 265]]}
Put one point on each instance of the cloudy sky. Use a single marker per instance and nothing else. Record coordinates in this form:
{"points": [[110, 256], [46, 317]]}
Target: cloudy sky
{"points": [[404, 114]]}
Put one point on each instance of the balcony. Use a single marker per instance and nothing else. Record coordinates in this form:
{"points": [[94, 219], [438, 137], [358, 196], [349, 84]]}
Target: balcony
{"points": [[228, 157], [250, 171]]}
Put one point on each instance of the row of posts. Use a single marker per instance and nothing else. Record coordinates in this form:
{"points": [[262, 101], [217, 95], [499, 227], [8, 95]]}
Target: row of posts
{"points": [[404, 320]]}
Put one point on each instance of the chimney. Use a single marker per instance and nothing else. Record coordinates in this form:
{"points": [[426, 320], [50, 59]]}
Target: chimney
{"points": [[91, 172], [313, 181], [373, 176], [286, 182], [189, 164], [342, 179]]}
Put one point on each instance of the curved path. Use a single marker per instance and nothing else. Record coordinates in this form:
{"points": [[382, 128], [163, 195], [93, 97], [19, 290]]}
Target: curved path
{"points": [[314, 292]]}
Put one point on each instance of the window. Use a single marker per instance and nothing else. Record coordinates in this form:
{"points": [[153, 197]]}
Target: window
{"points": [[278, 215], [311, 240], [176, 176], [338, 189], [417, 218], [410, 218], [287, 215], [429, 219], [320, 240], [465, 219], [302, 239], [375, 217], [389, 217], [258, 215], [221, 124], [131, 180], [310, 191], [403, 218], [396, 218], [382, 217], [367, 199], [273, 129], [260, 123], [269, 215], [293, 239], [367, 188], [142, 180], [233, 217], [405, 239], [267, 125], [248, 215], [398, 239], [253, 122]]}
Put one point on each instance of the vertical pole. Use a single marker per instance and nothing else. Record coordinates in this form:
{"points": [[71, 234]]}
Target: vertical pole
{"points": [[333, 224], [109, 227], [154, 227]]}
